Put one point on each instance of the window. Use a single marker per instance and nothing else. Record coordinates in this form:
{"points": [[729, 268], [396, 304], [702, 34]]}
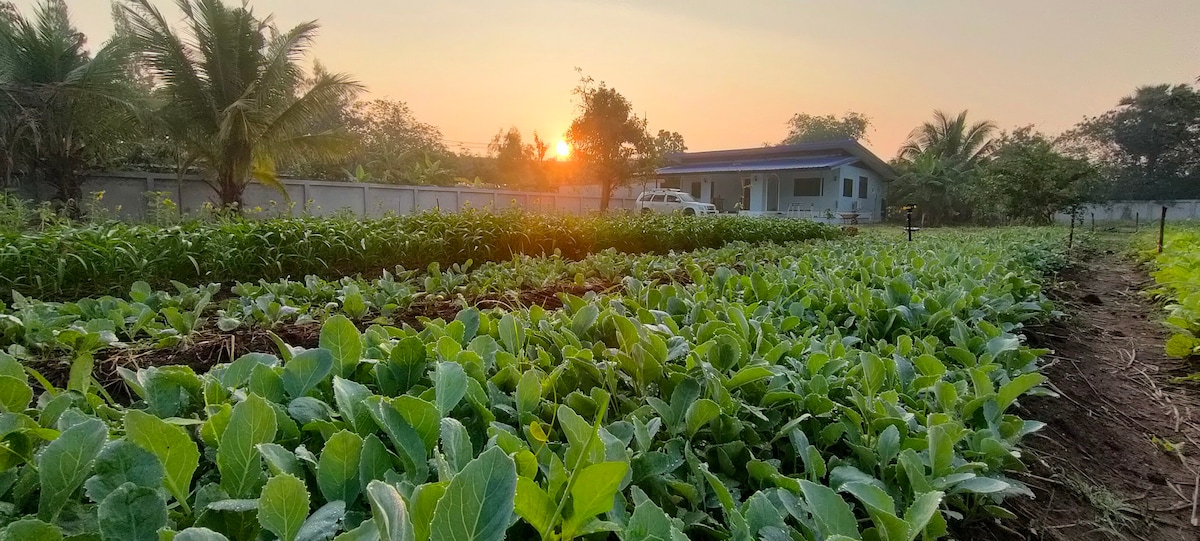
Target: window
{"points": [[644, 197], [672, 199], [658, 198], [807, 187], [847, 187], [862, 187]]}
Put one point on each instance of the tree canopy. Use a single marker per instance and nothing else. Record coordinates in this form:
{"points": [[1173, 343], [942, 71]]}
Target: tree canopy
{"points": [[806, 128], [608, 138]]}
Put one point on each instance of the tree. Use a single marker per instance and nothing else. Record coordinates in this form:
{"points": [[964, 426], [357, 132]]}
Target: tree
{"points": [[1149, 145], [960, 144], [513, 157], [391, 143], [233, 91], [940, 166], [1030, 180], [608, 138], [806, 128], [61, 108], [668, 142]]}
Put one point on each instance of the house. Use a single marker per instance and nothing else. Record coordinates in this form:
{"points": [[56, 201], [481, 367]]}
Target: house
{"points": [[832, 181]]}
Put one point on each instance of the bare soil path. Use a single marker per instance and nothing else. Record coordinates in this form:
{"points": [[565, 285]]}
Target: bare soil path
{"points": [[1119, 456]]}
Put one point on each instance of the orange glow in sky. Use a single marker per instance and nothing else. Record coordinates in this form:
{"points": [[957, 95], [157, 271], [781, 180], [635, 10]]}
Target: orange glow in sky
{"points": [[730, 74]]}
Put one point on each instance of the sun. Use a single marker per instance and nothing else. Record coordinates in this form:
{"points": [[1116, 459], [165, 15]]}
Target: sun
{"points": [[563, 149]]}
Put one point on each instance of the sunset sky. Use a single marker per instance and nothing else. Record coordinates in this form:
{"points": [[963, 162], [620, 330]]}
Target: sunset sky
{"points": [[729, 74]]}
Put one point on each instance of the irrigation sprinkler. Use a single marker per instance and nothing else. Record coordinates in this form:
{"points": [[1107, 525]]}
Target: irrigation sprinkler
{"points": [[908, 210]]}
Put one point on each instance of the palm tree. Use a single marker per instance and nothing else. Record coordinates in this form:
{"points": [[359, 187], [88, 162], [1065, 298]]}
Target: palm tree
{"points": [[59, 105], [232, 91], [951, 139]]}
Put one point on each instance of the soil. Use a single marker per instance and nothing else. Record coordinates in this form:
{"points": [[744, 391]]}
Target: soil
{"points": [[1096, 469]]}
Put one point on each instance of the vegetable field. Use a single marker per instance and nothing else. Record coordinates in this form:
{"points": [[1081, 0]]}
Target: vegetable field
{"points": [[858, 388], [1177, 276]]}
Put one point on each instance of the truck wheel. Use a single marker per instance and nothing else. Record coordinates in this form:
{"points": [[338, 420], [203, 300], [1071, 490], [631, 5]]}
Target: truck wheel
{"points": [[689, 211]]}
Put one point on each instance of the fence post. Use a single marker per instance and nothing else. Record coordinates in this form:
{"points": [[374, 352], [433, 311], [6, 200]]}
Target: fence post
{"points": [[1136, 218], [1162, 226], [1071, 236], [1093, 222]]}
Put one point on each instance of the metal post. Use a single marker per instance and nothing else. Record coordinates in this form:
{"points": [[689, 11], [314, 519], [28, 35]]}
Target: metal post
{"points": [[1093, 222], [1071, 236], [1136, 218], [909, 228], [1162, 226]]}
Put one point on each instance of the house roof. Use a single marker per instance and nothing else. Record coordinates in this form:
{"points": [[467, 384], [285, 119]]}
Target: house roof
{"points": [[776, 164], [818, 155]]}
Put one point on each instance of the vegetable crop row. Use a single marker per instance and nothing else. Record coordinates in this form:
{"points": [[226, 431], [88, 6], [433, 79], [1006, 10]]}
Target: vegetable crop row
{"points": [[69, 262], [843, 390], [1177, 278]]}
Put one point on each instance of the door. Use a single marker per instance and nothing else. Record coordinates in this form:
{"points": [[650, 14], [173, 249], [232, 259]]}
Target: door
{"points": [[745, 194], [773, 194]]}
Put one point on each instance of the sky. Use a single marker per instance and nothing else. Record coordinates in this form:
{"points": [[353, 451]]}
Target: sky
{"points": [[729, 74]]}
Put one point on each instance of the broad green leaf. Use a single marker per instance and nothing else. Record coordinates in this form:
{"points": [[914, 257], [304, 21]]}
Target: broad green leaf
{"points": [[323, 524], [456, 444], [404, 438], [15, 394], [478, 504], [405, 367], [120, 462], [747, 375], [389, 512], [584, 319], [593, 492], [341, 338], [920, 513], [533, 505], [199, 534], [374, 462], [337, 472], [941, 450], [238, 372], [65, 463], [832, 513], [881, 508], [266, 382], [699, 414], [450, 386], [649, 523], [529, 395], [132, 513], [173, 447], [1009, 392], [306, 370], [424, 503], [280, 460], [422, 416], [30, 529], [238, 457], [349, 395], [283, 506]]}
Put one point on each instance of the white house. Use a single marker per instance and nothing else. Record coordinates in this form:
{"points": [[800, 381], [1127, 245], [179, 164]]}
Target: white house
{"points": [[826, 181]]}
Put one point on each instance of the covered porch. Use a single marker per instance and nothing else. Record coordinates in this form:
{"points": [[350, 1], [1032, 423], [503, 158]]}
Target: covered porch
{"points": [[804, 189]]}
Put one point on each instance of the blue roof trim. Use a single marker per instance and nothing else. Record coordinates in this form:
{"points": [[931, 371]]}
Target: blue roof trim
{"points": [[812, 162]]}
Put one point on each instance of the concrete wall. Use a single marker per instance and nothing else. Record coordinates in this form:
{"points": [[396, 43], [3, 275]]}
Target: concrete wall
{"points": [[1144, 211], [129, 196]]}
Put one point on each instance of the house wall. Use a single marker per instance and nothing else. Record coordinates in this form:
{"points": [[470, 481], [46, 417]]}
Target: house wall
{"points": [[725, 190], [870, 208]]}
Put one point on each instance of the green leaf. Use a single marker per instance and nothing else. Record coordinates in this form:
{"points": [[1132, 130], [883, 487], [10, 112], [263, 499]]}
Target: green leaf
{"points": [[405, 367], [422, 416], [450, 386], [403, 437], [649, 523], [1009, 392], [323, 524], [238, 457], [283, 506], [173, 447], [424, 503], [747, 375], [1182, 346], [349, 395], [699, 414], [15, 394], [479, 502], [832, 513], [584, 319], [529, 395], [280, 460], [122, 462], [341, 338], [199, 534], [266, 382], [941, 450], [389, 512], [65, 463], [306, 370], [593, 493], [337, 471], [533, 505], [238, 372], [375, 461], [30, 529], [132, 513], [512, 334], [456, 444], [920, 513]]}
